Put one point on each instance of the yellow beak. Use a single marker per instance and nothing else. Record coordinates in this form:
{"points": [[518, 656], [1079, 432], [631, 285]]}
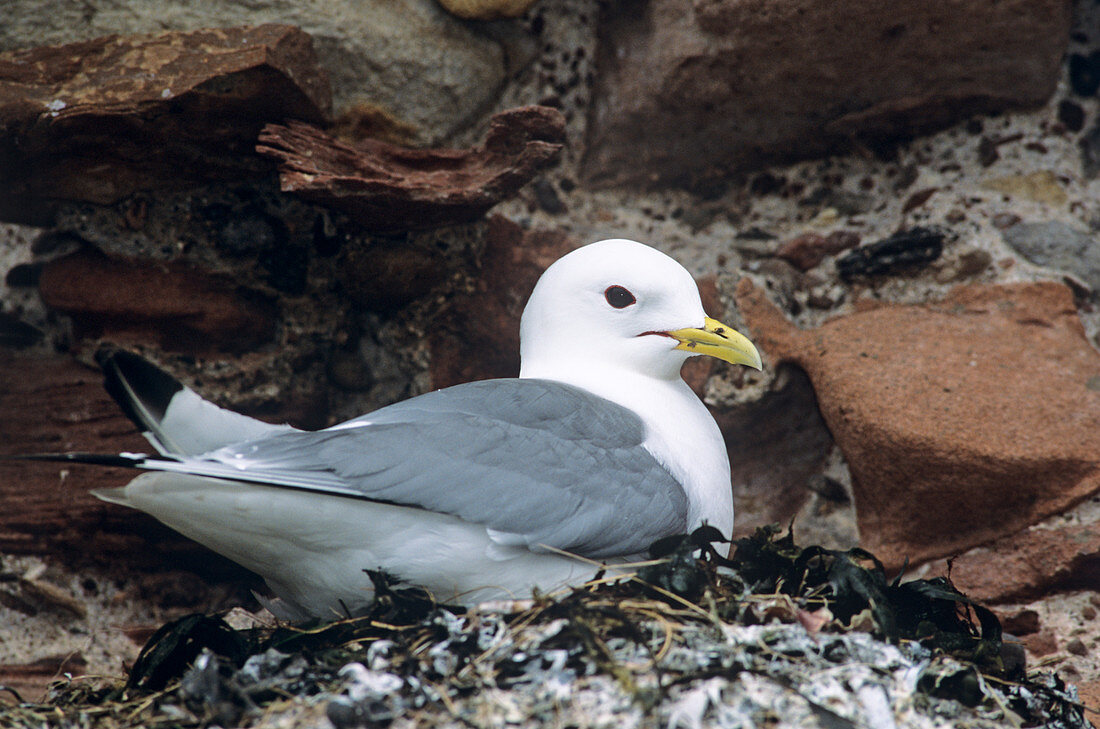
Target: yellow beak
{"points": [[718, 340]]}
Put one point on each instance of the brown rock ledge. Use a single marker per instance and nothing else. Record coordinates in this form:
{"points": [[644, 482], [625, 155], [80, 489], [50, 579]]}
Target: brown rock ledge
{"points": [[184, 309], [1028, 564], [97, 120], [386, 188]]}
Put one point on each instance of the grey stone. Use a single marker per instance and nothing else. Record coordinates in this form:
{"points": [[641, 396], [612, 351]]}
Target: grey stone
{"points": [[408, 57], [1056, 245]]}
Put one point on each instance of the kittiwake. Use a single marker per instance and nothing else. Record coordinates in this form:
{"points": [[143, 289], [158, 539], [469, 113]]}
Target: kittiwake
{"points": [[481, 491]]}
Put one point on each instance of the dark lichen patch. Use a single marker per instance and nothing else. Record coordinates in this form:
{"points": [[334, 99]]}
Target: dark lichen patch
{"points": [[689, 628], [905, 251]]}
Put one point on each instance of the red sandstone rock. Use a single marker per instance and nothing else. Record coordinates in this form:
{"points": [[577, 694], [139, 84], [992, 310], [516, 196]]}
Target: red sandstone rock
{"points": [[181, 308], [809, 249], [1028, 564], [32, 679], [961, 422], [50, 404], [385, 187], [97, 120], [776, 445], [1089, 691], [684, 86]]}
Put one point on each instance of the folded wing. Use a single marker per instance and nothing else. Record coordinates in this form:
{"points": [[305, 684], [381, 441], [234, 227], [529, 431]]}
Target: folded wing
{"points": [[536, 462]]}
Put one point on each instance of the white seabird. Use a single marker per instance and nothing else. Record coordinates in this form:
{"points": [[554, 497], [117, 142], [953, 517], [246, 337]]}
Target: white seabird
{"points": [[473, 492]]}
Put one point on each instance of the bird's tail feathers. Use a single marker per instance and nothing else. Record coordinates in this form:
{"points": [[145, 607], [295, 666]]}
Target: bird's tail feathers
{"points": [[173, 417], [112, 496], [143, 391]]}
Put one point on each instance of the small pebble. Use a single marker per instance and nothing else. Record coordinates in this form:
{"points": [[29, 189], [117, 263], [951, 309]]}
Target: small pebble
{"points": [[24, 275], [1025, 622], [1041, 644], [819, 301], [1088, 612], [1071, 115], [766, 184], [547, 197], [1077, 647], [917, 199], [828, 488], [972, 262], [987, 152]]}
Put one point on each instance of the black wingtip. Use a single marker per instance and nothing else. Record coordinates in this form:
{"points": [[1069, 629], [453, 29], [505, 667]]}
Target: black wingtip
{"points": [[126, 376], [96, 459]]}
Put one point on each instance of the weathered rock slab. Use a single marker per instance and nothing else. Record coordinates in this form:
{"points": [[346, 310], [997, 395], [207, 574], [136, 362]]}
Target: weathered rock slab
{"points": [[687, 85], [487, 9], [962, 421], [182, 308], [1028, 564], [809, 249], [386, 187], [409, 58], [97, 120]]}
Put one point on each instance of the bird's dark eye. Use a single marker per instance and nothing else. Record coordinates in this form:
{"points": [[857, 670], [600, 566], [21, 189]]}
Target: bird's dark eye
{"points": [[619, 297]]}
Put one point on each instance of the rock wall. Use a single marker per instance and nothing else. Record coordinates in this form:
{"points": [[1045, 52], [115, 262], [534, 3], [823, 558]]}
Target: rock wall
{"points": [[313, 211], [761, 80], [409, 60]]}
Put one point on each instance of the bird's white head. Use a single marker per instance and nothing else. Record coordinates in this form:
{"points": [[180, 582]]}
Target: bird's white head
{"points": [[624, 305]]}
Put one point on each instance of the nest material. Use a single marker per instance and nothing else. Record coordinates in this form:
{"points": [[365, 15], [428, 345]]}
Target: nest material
{"points": [[781, 634]]}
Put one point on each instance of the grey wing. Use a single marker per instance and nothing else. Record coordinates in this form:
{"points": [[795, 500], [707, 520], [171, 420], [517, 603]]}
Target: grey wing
{"points": [[536, 462]]}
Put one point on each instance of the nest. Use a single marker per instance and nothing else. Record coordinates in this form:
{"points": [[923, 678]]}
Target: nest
{"points": [[778, 635]]}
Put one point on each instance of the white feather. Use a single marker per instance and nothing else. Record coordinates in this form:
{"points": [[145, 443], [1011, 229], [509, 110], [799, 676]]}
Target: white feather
{"points": [[312, 549]]}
